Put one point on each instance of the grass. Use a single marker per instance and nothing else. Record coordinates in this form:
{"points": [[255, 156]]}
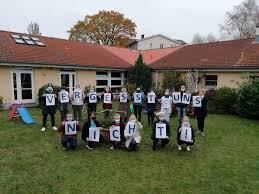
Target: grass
{"points": [[225, 161]]}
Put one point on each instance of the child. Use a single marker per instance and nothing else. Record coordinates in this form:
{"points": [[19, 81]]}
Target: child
{"points": [[91, 100], [107, 103], [201, 113], [124, 104], [63, 94], [132, 133], [185, 135], [77, 97], [161, 120], [68, 135], [47, 108], [119, 123], [138, 98], [166, 105], [92, 123], [151, 106]]}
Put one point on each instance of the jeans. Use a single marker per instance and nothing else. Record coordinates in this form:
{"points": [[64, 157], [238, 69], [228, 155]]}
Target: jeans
{"points": [[44, 120], [201, 120], [167, 112], [72, 141], [138, 111], [150, 117], [181, 112], [77, 111], [63, 111]]}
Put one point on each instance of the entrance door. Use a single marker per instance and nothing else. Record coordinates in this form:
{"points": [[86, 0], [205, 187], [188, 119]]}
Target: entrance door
{"points": [[67, 80], [22, 86]]}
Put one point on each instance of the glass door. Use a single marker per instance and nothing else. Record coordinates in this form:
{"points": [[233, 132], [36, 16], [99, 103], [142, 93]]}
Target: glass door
{"points": [[22, 86], [67, 79]]}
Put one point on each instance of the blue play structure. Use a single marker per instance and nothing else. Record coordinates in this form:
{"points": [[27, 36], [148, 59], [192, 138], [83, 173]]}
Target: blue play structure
{"points": [[25, 115]]}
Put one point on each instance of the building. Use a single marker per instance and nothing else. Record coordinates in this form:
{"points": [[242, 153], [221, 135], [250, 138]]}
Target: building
{"points": [[28, 62], [155, 42]]}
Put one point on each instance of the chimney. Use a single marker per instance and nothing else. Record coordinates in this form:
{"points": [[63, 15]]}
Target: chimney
{"points": [[257, 33], [142, 36]]}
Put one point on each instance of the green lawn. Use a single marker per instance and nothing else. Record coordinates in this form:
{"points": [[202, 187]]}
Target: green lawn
{"points": [[225, 161]]}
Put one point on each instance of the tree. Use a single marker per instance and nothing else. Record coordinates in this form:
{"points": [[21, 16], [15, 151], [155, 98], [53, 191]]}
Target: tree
{"points": [[105, 27], [172, 80], [241, 21], [34, 29], [199, 39], [140, 74]]}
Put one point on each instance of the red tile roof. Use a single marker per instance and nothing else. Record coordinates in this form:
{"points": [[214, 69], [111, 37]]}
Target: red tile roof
{"points": [[225, 54], [58, 52], [149, 56]]}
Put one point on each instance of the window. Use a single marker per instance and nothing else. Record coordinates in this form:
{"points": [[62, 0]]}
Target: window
{"points": [[116, 74], [22, 39], [114, 79], [116, 82], [67, 79], [211, 80], [161, 45], [151, 45]]}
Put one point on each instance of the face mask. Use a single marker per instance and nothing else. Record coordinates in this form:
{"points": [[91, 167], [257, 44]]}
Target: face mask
{"points": [[93, 118], [186, 124], [49, 89], [166, 93], [117, 120], [161, 118], [202, 96], [92, 90], [133, 120], [183, 89]]}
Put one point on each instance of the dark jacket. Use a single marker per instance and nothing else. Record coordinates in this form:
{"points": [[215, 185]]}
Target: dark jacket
{"points": [[151, 107], [86, 100], [168, 133], [107, 105], [62, 129], [201, 111], [180, 142], [85, 129], [122, 128]]}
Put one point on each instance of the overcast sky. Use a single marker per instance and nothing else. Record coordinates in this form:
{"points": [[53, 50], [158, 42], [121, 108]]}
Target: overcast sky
{"points": [[179, 19]]}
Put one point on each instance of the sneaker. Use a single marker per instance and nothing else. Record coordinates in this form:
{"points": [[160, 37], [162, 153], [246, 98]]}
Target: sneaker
{"points": [[203, 134], [198, 131], [89, 148], [179, 148], [112, 148], [64, 149], [188, 148], [55, 128], [43, 129]]}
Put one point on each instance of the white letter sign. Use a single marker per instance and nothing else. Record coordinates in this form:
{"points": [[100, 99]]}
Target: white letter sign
{"points": [[151, 98], [160, 130], [186, 134], [107, 98], [196, 101], [137, 98], [92, 97], [176, 97], [50, 99], [94, 134], [63, 96], [131, 128], [123, 97], [115, 133], [186, 98], [70, 128]]}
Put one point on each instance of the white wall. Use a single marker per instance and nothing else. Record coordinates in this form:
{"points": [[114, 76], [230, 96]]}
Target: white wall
{"points": [[155, 41]]}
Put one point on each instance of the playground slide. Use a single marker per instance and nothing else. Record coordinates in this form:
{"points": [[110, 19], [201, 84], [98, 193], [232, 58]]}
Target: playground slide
{"points": [[25, 116]]}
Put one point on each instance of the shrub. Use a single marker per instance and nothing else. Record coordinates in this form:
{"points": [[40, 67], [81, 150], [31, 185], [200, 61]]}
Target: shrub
{"points": [[42, 90], [247, 104], [172, 80], [159, 92], [1, 103], [140, 75], [131, 87]]}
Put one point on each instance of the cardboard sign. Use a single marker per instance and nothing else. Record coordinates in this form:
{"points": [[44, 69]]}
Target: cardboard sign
{"points": [[161, 130], [92, 97], [177, 97], [50, 99], [186, 134], [151, 98], [196, 101], [77, 94], [186, 98], [107, 98], [131, 128], [115, 133], [70, 127], [63, 97], [137, 98], [94, 134], [123, 97], [166, 102]]}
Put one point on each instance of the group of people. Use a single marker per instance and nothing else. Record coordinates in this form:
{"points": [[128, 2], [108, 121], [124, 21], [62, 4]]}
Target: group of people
{"points": [[123, 120]]}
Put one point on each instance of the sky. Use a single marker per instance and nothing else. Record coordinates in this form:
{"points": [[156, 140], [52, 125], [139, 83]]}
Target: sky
{"points": [[177, 19]]}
